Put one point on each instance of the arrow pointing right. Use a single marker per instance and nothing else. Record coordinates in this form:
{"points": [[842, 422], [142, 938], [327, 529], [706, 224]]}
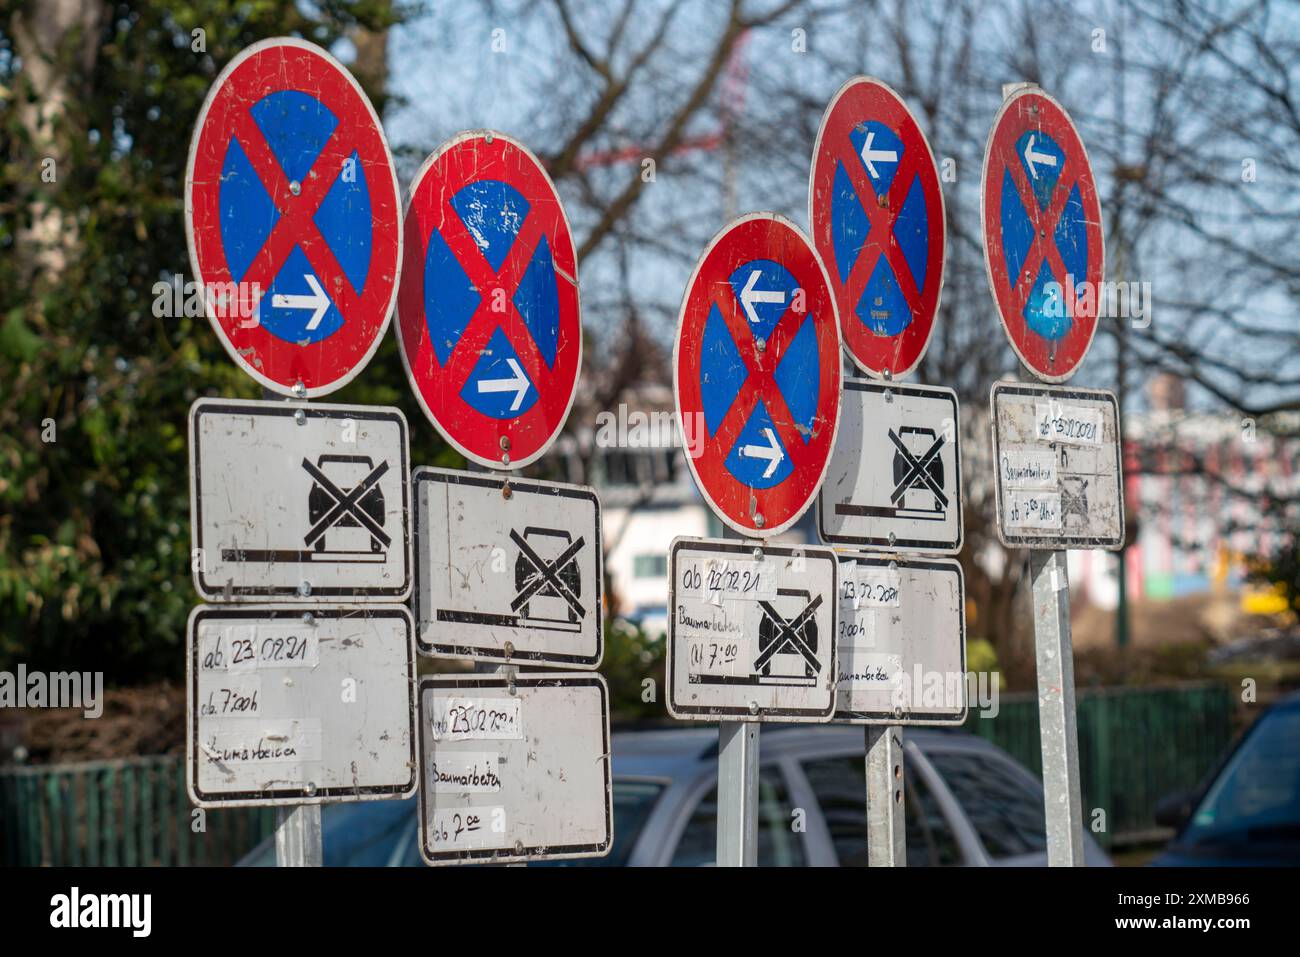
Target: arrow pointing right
{"points": [[1032, 157], [772, 452], [317, 301], [518, 384]]}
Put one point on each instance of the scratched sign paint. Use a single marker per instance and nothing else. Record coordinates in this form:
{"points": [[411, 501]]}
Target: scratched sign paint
{"points": [[507, 570], [1043, 245], [293, 218], [514, 768], [756, 371], [902, 648], [1060, 480], [308, 503], [877, 218], [300, 704], [488, 314]]}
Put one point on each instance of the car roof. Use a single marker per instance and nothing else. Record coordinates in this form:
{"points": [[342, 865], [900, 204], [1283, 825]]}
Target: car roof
{"points": [[671, 752]]}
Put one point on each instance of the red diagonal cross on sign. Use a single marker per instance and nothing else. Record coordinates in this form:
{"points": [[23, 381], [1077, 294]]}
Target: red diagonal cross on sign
{"points": [[806, 332], [225, 232], [1043, 245], [296, 227], [1053, 354], [497, 289], [759, 368], [454, 304], [880, 238], [888, 334]]}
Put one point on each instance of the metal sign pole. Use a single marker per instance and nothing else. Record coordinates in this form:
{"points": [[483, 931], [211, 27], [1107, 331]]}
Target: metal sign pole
{"points": [[886, 809], [297, 836], [297, 827], [886, 822], [1056, 715], [738, 785], [737, 793]]}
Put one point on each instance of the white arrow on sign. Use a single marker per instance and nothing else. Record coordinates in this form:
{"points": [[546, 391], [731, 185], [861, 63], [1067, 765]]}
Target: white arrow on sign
{"points": [[871, 157], [749, 295], [772, 452], [1032, 157], [518, 384], [317, 301]]}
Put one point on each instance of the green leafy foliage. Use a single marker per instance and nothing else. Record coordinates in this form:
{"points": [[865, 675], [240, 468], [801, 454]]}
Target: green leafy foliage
{"points": [[94, 387]]}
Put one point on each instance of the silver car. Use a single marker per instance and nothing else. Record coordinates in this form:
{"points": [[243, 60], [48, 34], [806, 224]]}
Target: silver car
{"points": [[968, 803]]}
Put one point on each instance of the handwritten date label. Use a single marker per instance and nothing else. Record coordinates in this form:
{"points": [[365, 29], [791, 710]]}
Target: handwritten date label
{"points": [[244, 648], [477, 719]]}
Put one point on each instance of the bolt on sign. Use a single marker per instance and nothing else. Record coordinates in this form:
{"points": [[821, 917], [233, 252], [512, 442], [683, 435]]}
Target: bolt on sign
{"points": [[292, 218], [877, 216], [488, 313], [507, 570], [751, 631], [1059, 474], [282, 701], [1043, 242], [894, 480], [514, 768], [299, 501], [756, 373], [902, 641]]}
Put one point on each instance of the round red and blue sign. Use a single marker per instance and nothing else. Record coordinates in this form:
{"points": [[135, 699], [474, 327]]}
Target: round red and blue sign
{"points": [[1043, 243], [293, 218], [756, 373], [877, 216], [488, 313]]}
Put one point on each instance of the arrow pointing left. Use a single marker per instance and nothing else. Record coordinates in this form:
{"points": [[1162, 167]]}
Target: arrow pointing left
{"points": [[317, 301], [1032, 156], [870, 157], [518, 384], [749, 295]]}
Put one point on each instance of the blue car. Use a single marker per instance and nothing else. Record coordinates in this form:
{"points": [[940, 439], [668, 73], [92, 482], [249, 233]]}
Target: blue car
{"points": [[1249, 812]]}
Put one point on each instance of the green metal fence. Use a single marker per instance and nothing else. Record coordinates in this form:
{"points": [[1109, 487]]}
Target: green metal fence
{"points": [[132, 812], [1135, 746]]}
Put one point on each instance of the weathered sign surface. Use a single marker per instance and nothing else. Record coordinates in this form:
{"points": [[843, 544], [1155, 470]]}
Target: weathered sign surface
{"points": [[751, 631], [514, 768], [902, 641], [300, 704], [894, 481], [489, 324], [756, 374], [299, 501], [1059, 474], [293, 218], [508, 570]]}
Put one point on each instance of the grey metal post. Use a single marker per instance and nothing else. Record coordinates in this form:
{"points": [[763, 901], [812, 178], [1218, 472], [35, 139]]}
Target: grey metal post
{"points": [[886, 804], [297, 826], [297, 836], [1058, 728], [737, 793]]}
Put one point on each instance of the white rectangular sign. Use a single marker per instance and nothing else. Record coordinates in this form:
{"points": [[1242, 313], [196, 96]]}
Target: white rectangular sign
{"points": [[300, 704], [508, 569], [894, 479], [514, 769], [751, 631], [902, 641], [299, 501], [1059, 471]]}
